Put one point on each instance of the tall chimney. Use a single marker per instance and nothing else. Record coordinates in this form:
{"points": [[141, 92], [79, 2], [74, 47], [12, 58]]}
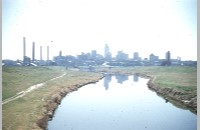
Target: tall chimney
{"points": [[60, 53], [33, 52], [47, 53], [24, 53], [40, 53]]}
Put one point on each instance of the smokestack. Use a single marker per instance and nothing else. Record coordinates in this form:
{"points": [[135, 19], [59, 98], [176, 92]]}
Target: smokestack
{"points": [[24, 53], [40, 53], [60, 53], [33, 52], [47, 53]]}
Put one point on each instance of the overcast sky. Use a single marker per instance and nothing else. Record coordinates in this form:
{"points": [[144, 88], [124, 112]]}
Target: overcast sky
{"points": [[75, 26]]}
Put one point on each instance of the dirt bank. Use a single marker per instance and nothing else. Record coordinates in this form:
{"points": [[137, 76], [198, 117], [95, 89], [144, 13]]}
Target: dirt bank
{"points": [[181, 99], [52, 104]]}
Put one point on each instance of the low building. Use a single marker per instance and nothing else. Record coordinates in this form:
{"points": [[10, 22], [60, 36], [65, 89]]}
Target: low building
{"points": [[10, 63]]}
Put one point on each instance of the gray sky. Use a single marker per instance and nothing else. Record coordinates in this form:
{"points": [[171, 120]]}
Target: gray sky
{"points": [[75, 26]]}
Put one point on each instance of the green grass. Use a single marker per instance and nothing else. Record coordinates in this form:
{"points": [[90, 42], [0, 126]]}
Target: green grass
{"points": [[17, 79], [178, 77], [23, 113]]}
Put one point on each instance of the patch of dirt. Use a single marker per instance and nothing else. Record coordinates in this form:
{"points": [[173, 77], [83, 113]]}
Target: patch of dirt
{"points": [[183, 98], [55, 100]]}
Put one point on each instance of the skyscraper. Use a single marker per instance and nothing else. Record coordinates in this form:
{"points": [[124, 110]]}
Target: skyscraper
{"points": [[106, 50], [40, 53], [107, 53], [136, 56], [168, 58]]}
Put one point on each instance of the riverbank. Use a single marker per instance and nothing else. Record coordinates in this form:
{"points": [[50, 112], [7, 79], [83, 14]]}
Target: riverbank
{"points": [[167, 82], [35, 108], [181, 99], [55, 100], [32, 111]]}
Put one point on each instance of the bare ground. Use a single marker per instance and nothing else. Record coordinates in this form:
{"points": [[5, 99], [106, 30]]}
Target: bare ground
{"points": [[55, 100]]}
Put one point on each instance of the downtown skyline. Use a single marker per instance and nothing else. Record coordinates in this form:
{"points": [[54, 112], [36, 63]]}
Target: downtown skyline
{"points": [[77, 26]]}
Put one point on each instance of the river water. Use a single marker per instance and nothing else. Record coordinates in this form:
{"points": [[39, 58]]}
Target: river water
{"points": [[119, 102]]}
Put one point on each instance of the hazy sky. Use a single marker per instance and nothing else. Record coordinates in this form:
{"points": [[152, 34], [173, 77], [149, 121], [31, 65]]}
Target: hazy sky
{"points": [[75, 26]]}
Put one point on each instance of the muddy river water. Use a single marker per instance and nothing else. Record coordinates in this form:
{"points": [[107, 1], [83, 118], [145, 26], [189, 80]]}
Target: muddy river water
{"points": [[119, 102]]}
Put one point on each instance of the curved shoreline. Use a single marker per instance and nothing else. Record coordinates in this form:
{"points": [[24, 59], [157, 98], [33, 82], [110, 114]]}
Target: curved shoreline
{"points": [[181, 99], [178, 98], [55, 101]]}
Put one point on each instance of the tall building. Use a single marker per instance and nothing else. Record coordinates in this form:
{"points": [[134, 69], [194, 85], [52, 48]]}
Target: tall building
{"points": [[153, 58], [106, 50], [94, 54], [107, 53], [168, 58], [167, 55], [136, 56], [121, 55]]}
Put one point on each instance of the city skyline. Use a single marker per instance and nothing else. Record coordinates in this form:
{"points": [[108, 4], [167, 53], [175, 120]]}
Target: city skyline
{"points": [[77, 26], [106, 54], [93, 58]]}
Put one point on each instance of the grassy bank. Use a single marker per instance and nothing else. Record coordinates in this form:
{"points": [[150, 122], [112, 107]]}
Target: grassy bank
{"points": [[17, 79], [181, 78], [23, 113], [177, 84]]}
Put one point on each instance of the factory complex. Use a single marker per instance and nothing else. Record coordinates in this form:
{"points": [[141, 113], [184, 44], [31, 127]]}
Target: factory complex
{"points": [[93, 58]]}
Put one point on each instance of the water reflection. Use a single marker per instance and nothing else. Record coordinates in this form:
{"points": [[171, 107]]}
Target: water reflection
{"points": [[128, 105], [135, 78], [107, 80], [121, 78]]}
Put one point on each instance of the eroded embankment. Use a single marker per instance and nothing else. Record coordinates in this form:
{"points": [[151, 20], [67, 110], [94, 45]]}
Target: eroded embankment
{"points": [[182, 99], [179, 98], [186, 99], [55, 100]]}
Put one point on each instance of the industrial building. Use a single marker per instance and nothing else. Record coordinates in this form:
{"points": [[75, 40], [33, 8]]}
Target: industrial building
{"points": [[93, 58]]}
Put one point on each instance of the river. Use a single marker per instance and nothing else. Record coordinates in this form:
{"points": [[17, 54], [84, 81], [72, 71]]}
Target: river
{"points": [[119, 102]]}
